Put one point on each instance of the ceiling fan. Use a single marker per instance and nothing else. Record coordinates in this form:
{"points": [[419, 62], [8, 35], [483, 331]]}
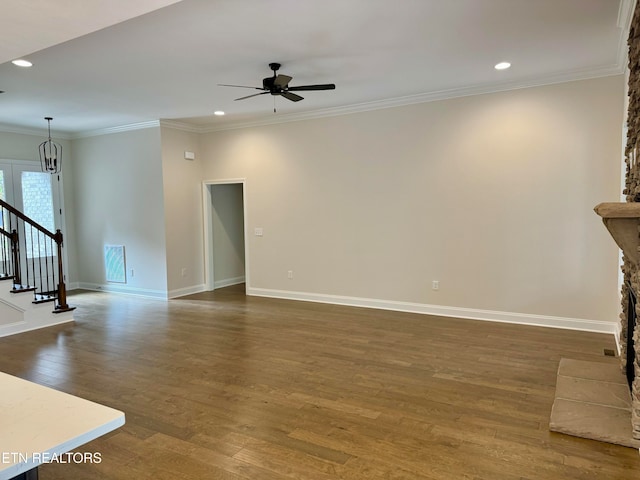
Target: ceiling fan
{"points": [[279, 85]]}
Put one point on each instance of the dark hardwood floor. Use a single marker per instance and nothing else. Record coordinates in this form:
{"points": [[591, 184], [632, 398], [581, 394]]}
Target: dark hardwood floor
{"points": [[223, 386]]}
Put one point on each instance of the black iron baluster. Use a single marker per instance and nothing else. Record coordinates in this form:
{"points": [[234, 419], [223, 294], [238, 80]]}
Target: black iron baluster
{"points": [[15, 250], [25, 275], [33, 281], [5, 272], [40, 287], [46, 268], [53, 270]]}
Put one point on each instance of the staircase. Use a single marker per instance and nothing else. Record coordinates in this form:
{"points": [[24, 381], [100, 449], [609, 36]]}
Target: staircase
{"points": [[32, 289]]}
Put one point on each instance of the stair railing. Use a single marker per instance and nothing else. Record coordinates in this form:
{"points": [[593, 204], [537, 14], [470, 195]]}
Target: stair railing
{"points": [[32, 255], [9, 255]]}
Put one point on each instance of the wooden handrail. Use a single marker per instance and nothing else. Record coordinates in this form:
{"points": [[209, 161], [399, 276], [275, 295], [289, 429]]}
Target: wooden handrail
{"points": [[15, 247], [5, 233], [24, 218]]}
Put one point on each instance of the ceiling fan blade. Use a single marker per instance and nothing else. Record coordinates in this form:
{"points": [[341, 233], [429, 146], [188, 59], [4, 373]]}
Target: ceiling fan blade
{"points": [[254, 95], [322, 86], [282, 80], [292, 96], [239, 86]]}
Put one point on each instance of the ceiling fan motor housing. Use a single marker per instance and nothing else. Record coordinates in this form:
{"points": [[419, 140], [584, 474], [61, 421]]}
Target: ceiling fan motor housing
{"points": [[268, 83]]}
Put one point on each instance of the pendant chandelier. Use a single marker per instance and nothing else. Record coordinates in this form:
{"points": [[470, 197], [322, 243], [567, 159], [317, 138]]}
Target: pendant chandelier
{"points": [[50, 153]]}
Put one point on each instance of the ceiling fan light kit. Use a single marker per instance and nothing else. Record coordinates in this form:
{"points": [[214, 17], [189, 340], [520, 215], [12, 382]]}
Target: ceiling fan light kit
{"points": [[278, 85]]}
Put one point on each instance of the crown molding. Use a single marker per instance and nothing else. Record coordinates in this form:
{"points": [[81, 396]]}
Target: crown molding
{"points": [[575, 75], [185, 127], [118, 129], [625, 16], [571, 76], [6, 128], [36, 132]]}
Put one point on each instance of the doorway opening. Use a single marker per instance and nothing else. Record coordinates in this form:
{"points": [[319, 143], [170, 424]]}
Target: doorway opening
{"points": [[225, 241]]}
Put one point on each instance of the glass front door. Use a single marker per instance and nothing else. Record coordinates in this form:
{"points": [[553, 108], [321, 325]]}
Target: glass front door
{"points": [[35, 194]]}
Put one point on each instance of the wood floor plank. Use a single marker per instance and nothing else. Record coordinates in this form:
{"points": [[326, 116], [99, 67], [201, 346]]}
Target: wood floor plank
{"points": [[220, 385]]}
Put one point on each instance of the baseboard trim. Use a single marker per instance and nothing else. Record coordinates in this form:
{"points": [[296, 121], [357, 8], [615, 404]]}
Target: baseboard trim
{"points": [[566, 323], [228, 282], [140, 292], [180, 292], [28, 326], [616, 335]]}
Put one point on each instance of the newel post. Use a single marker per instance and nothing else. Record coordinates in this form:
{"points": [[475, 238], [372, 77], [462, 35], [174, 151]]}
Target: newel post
{"points": [[62, 289]]}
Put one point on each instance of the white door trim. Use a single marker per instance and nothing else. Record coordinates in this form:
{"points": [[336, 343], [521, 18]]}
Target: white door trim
{"points": [[208, 228]]}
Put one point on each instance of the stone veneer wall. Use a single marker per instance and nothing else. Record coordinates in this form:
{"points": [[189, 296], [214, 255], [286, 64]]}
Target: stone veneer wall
{"points": [[632, 191]]}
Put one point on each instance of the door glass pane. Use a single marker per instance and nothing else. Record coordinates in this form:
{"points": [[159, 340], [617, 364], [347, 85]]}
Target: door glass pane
{"points": [[37, 204], [37, 200]]}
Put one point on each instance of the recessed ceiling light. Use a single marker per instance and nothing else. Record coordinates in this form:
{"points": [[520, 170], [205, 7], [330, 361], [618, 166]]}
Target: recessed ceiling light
{"points": [[502, 66], [22, 63], [219, 113]]}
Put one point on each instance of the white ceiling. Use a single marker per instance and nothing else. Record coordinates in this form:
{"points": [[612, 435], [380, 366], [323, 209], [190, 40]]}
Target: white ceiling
{"points": [[31, 25], [91, 72]]}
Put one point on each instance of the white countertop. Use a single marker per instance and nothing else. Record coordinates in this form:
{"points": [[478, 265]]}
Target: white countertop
{"points": [[38, 423]]}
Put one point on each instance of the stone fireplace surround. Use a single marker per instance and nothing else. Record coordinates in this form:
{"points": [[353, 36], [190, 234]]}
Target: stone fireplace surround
{"points": [[601, 400], [631, 269], [622, 219]]}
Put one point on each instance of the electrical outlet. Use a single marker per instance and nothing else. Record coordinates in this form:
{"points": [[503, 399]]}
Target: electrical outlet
{"points": [[184, 272], [435, 285], [258, 231], [290, 274]]}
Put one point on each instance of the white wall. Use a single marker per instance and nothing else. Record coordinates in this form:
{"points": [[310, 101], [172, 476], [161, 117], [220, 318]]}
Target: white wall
{"points": [[183, 212], [118, 197], [492, 195], [228, 234], [20, 146]]}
